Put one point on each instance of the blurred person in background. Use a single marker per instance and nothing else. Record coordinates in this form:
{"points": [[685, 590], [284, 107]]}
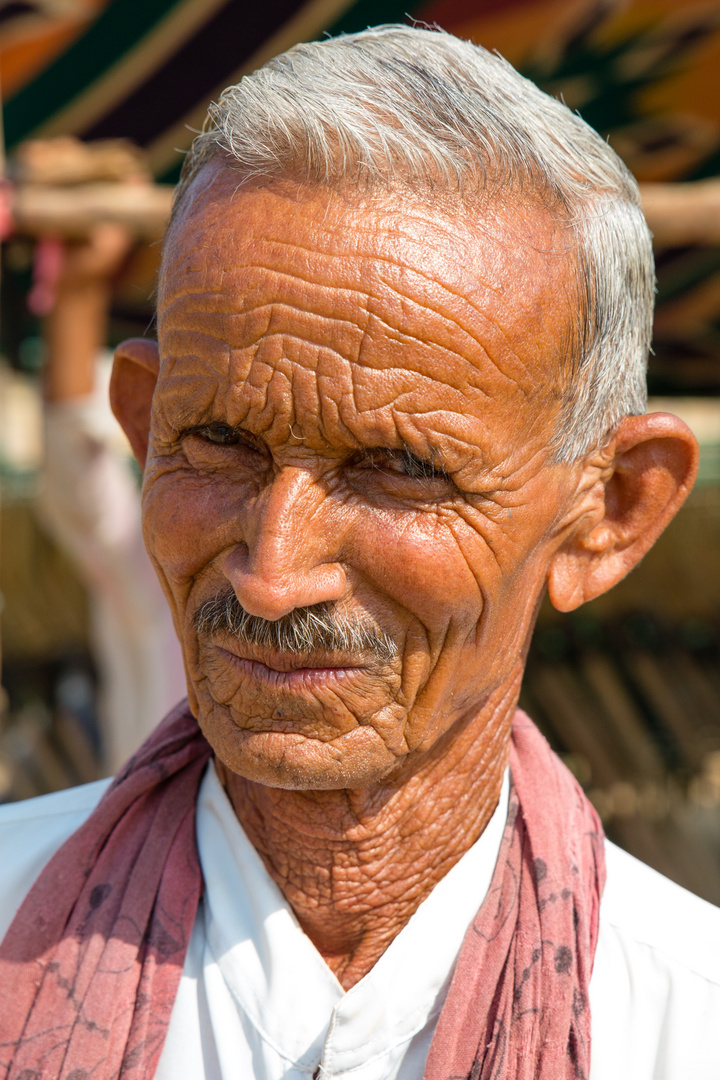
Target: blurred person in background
{"points": [[90, 499]]}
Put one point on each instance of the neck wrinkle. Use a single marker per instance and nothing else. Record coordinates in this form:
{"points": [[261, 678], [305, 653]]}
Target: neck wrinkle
{"points": [[356, 865]]}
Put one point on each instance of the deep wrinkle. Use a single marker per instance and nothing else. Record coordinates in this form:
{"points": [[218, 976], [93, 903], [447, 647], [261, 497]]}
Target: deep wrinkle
{"points": [[359, 792], [310, 489]]}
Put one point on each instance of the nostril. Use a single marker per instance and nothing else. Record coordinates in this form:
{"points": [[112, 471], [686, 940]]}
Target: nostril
{"points": [[257, 598], [273, 591], [236, 561]]}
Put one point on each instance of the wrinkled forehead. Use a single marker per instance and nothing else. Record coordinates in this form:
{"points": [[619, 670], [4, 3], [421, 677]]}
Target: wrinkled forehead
{"points": [[283, 301]]}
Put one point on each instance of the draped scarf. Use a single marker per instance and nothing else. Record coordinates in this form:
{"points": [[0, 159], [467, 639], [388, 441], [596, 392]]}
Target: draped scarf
{"points": [[517, 1007], [90, 967]]}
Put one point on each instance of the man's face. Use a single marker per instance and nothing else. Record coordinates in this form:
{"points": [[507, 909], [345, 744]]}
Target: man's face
{"points": [[353, 410]]}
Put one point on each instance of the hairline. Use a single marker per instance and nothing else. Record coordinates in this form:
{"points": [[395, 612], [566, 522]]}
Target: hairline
{"points": [[380, 109]]}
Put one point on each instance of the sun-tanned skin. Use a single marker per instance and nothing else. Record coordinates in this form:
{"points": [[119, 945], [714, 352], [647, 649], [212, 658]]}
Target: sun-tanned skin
{"points": [[355, 402]]}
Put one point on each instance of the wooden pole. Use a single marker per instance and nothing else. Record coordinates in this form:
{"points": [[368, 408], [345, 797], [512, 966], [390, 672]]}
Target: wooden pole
{"points": [[71, 212], [683, 214], [678, 214]]}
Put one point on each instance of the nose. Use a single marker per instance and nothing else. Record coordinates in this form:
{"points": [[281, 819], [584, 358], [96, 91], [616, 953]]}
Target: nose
{"points": [[289, 557]]}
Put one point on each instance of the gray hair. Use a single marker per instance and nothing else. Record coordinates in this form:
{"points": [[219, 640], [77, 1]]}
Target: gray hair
{"points": [[397, 106]]}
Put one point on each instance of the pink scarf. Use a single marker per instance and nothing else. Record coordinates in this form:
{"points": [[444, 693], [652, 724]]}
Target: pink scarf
{"points": [[518, 1005], [91, 965]]}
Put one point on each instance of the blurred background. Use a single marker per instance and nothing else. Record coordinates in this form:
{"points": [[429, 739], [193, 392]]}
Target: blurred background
{"points": [[100, 99]]}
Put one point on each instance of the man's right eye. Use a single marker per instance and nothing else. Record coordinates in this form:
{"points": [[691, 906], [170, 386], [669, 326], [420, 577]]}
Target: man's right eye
{"points": [[220, 434]]}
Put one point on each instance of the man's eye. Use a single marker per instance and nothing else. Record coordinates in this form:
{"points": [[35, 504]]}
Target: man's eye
{"points": [[406, 464], [417, 468], [220, 434]]}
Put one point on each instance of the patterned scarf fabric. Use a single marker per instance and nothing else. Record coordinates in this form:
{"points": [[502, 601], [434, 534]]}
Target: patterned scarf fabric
{"points": [[518, 1005], [91, 964], [90, 967]]}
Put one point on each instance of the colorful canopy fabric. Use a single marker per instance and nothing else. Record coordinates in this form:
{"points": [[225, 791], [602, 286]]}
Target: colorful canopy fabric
{"points": [[646, 73]]}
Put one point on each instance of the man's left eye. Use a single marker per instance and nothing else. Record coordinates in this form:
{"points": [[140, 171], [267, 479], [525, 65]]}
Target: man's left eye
{"points": [[417, 469], [404, 465]]}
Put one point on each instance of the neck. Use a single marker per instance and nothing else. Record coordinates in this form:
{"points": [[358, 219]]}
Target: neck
{"points": [[355, 865]]}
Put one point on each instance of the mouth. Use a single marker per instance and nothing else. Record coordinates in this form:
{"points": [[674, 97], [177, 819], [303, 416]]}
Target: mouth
{"points": [[291, 671]]}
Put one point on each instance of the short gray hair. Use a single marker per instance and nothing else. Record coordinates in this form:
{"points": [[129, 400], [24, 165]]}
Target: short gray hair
{"points": [[398, 106]]}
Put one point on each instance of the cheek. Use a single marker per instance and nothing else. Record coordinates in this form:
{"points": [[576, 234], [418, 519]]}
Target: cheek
{"points": [[419, 562], [188, 520], [471, 582]]}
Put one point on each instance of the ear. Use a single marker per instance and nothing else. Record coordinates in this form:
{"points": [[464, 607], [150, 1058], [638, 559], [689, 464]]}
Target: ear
{"points": [[132, 384], [653, 467]]}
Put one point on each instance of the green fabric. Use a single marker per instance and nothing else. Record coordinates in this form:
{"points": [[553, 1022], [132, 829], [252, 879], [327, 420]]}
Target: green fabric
{"points": [[366, 13], [115, 32]]}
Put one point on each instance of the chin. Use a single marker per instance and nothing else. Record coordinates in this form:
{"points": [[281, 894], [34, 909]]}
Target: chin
{"points": [[296, 762]]}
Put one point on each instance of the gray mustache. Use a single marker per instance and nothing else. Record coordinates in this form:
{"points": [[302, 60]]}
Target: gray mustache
{"points": [[305, 630]]}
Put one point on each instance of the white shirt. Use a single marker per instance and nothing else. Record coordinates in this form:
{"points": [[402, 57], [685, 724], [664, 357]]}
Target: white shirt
{"points": [[256, 999]]}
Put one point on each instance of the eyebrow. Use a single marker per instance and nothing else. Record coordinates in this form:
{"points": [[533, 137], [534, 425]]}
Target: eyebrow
{"points": [[188, 422]]}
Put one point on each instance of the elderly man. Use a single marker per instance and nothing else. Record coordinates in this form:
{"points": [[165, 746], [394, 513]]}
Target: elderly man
{"points": [[398, 393]]}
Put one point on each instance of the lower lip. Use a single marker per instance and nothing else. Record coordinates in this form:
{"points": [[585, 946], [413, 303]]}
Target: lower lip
{"points": [[297, 679]]}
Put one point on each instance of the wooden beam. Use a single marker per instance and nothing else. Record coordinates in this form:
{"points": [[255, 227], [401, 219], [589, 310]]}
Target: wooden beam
{"points": [[71, 212], [677, 214], [680, 214]]}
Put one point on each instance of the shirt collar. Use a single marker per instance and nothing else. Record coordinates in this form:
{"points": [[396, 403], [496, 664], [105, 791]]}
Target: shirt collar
{"points": [[280, 980]]}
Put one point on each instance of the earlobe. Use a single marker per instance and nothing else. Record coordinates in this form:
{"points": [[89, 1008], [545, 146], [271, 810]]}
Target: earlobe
{"points": [[653, 469], [132, 384]]}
